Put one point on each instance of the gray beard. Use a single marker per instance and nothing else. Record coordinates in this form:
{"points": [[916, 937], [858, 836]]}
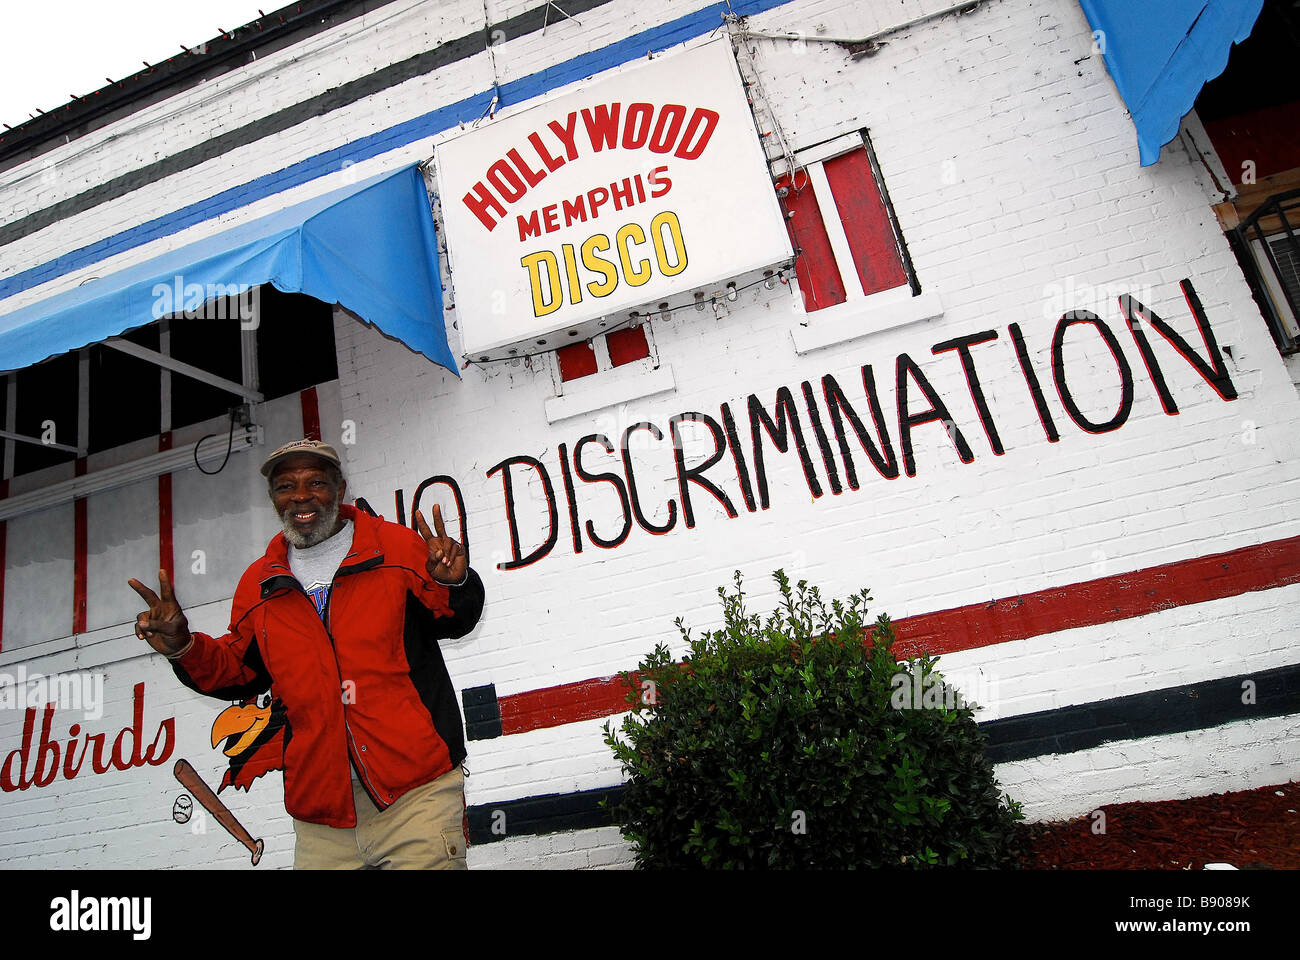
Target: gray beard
{"points": [[319, 533]]}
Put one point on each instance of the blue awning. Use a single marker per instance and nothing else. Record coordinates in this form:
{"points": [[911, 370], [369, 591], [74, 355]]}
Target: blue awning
{"points": [[1161, 52], [369, 247]]}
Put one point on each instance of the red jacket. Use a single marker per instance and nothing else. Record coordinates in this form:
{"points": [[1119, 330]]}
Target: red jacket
{"points": [[367, 682]]}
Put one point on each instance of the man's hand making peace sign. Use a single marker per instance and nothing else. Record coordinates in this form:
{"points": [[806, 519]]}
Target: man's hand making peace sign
{"points": [[448, 563], [164, 624]]}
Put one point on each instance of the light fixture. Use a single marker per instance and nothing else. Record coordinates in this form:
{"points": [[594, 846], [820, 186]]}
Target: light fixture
{"points": [[110, 478]]}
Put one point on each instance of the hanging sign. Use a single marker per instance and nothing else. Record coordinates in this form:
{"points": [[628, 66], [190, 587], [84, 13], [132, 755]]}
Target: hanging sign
{"points": [[631, 192]]}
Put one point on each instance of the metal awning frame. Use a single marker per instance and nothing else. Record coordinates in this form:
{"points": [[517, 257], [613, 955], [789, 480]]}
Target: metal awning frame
{"points": [[247, 391]]}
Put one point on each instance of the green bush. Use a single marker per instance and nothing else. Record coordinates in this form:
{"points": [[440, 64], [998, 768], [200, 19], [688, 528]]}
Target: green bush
{"points": [[789, 743]]}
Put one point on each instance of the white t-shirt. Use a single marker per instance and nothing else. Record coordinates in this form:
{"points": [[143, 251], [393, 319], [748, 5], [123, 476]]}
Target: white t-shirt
{"points": [[314, 567]]}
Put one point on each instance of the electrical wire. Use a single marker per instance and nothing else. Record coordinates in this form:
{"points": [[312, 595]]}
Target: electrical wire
{"points": [[230, 444], [640, 318], [489, 34], [739, 27]]}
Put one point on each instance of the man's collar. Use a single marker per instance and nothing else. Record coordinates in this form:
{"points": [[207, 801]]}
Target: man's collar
{"points": [[365, 532]]}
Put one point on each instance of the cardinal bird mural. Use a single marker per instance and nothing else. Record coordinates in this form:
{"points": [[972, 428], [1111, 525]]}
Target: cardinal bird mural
{"points": [[255, 735]]}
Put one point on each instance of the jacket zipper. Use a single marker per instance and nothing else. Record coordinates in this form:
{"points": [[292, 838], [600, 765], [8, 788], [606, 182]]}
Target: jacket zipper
{"points": [[353, 750]]}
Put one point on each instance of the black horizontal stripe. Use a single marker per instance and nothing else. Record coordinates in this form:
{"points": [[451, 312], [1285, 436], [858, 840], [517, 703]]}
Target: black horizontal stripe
{"points": [[1194, 706], [545, 814]]}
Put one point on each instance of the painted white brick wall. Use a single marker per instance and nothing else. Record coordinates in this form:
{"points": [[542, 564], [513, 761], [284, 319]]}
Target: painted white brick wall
{"points": [[1035, 213], [600, 848], [1235, 756], [1013, 168]]}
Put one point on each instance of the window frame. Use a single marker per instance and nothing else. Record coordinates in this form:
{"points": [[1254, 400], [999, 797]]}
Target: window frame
{"points": [[1273, 283], [860, 314], [609, 385], [812, 160], [604, 363]]}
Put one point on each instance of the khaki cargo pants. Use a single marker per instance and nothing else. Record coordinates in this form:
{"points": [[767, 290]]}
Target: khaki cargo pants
{"points": [[422, 830]]}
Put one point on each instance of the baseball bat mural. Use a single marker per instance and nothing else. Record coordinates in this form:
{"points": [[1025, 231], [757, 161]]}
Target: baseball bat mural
{"points": [[190, 779]]}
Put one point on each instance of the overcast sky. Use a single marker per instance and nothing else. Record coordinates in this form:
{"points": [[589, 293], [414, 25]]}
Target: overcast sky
{"points": [[51, 50]]}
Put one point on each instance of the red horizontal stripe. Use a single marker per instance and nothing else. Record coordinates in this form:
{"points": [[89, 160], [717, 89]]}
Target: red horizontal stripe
{"points": [[567, 703], [1104, 600], [1121, 597]]}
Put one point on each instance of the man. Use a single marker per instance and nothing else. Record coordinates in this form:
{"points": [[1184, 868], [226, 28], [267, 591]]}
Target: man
{"points": [[341, 619]]}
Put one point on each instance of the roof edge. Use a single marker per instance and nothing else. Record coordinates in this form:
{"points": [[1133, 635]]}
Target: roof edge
{"points": [[235, 48]]}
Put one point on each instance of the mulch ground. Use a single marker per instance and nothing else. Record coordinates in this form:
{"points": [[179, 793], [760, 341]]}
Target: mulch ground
{"points": [[1250, 829]]}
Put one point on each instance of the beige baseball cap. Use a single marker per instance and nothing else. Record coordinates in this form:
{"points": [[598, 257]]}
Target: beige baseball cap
{"points": [[315, 448]]}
